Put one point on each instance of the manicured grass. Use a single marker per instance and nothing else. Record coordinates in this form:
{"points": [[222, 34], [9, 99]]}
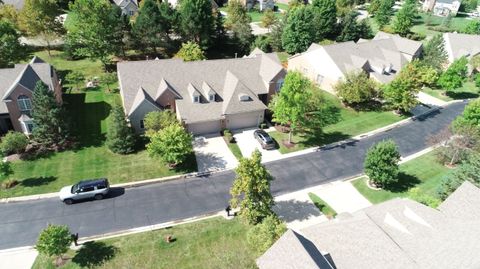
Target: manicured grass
{"points": [[254, 14], [89, 111], [458, 24], [468, 90], [213, 243], [235, 149], [322, 205], [423, 173], [351, 123]]}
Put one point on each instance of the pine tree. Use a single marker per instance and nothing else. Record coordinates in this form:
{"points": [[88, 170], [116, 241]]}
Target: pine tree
{"points": [[51, 126], [383, 13], [197, 21], [404, 18], [120, 137], [434, 53], [325, 20]]}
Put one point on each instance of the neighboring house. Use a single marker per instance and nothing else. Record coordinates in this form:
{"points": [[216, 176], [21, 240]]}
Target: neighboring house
{"points": [[382, 58], [442, 7], [18, 4], [16, 87], [128, 7], [399, 233], [262, 4], [458, 45], [207, 96]]}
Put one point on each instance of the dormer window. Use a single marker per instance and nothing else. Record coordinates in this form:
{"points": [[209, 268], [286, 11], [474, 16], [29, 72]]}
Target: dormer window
{"points": [[211, 97], [196, 99], [244, 98]]}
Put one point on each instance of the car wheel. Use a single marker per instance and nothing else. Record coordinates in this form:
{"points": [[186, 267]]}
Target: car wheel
{"points": [[98, 197], [68, 201]]}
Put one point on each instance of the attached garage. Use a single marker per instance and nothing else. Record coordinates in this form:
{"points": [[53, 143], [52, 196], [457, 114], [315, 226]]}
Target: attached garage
{"points": [[244, 120], [206, 127]]}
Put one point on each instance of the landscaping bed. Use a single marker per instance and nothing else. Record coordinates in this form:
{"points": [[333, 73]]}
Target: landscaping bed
{"points": [[212, 243], [418, 180]]}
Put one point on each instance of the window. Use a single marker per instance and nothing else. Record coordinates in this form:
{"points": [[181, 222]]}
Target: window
{"points": [[100, 187], [211, 97], [196, 99], [131, 12], [319, 79], [86, 189], [142, 124], [24, 104], [279, 85], [27, 126]]}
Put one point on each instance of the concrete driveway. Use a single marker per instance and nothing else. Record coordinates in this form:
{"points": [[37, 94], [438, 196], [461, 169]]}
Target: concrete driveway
{"points": [[247, 144], [342, 197], [213, 154]]}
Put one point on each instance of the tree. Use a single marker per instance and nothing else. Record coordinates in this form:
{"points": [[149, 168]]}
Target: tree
{"points": [[9, 13], [10, 48], [473, 27], [120, 137], [455, 75], [238, 22], [383, 13], [381, 163], [470, 116], [418, 74], [49, 117], [96, 28], [269, 19], [251, 189], [276, 34], [290, 105], [157, 120], [38, 19], [76, 78], [469, 170], [153, 24], [434, 53], [404, 18], [54, 241], [356, 88], [190, 51], [263, 235], [325, 18], [475, 63], [352, 30], [172, 144], [13, 142], [400, 94], [108, 79], [298, 33], [5, 169], [197, 21]]}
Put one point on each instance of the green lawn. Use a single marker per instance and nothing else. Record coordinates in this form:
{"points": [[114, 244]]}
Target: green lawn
{"points": [[212, 243], [423, 173], [458, 24], [89, 111], [235, 149], [254, 14], [351, 123], [468, 90], [322, 205]]}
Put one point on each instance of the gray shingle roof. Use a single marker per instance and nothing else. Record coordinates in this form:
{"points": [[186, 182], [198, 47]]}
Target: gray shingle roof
{"points": [[401, 233], [459, 45], [26, 75], [226, 77]]}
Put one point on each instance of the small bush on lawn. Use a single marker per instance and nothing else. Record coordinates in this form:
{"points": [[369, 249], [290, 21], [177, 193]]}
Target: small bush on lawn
{"points": [[228, 136], [54, 241], [262, 236], [381, 163], [8, 184], [13, 142]]}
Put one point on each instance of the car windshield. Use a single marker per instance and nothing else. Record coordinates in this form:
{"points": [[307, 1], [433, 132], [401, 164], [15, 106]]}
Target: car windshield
{"points": [[75, 188]]}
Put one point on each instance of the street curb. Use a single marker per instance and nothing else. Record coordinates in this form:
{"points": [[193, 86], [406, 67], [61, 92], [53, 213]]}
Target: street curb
{"points": [[200, 174]]}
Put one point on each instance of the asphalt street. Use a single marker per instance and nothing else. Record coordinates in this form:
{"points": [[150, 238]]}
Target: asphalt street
{"points": [[21, 222]]}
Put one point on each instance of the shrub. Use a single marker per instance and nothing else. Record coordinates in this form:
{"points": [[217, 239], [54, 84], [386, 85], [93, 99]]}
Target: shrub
{"points": [[13, 142], [417, 195], [8, 184], [262, 236], [120, 137], [263, 125], [381, 163], [356, 88], [54, 240], [172, 144], [477, 80]]}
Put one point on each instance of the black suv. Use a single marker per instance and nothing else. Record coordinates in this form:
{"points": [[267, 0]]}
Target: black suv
{"points": [[264, 139]]}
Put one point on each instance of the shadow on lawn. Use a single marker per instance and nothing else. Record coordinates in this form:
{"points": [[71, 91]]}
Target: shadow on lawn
{"points": [[318, 138], [461, 95], [405, 182], [37, 181], [94, 254]]}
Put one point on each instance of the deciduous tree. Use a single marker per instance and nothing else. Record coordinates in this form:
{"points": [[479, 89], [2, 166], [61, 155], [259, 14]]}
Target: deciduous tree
{"points": [[325, 18], [9, 13], [356, 88], [298, 33], [404, 18], [11, 50], [269, 19], [381, 163], [455, 75], [157, 120], [473, 27], [238, 22], [54, 241], [51, 126], [172, 144], [471, 115], [263, 235], [251, 189], [469, 170], [120, 137], [190, 51], [109, 79], [76, 78]]}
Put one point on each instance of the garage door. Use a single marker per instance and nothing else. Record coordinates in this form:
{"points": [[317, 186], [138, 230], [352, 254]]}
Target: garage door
{"points": [[246, 120], [204, 127]]}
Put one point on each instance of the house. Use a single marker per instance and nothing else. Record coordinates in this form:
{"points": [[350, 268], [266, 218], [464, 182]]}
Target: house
{"points": [[458, 45], [16, 88], [262, 4], [442, 7], [128, 7], [382, 58], [206, 96], [399, 233]]}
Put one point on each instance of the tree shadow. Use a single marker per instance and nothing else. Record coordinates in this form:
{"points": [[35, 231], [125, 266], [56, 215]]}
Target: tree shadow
{"points": [[461, 95], [315, 138], [404, 183], [291, 210], [87, 119], [37, 181], [93, 254], [188, 166], [372, 105]]}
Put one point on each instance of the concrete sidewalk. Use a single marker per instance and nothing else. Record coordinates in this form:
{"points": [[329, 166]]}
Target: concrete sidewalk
{"points": [[342, 197], [19, 258]]}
